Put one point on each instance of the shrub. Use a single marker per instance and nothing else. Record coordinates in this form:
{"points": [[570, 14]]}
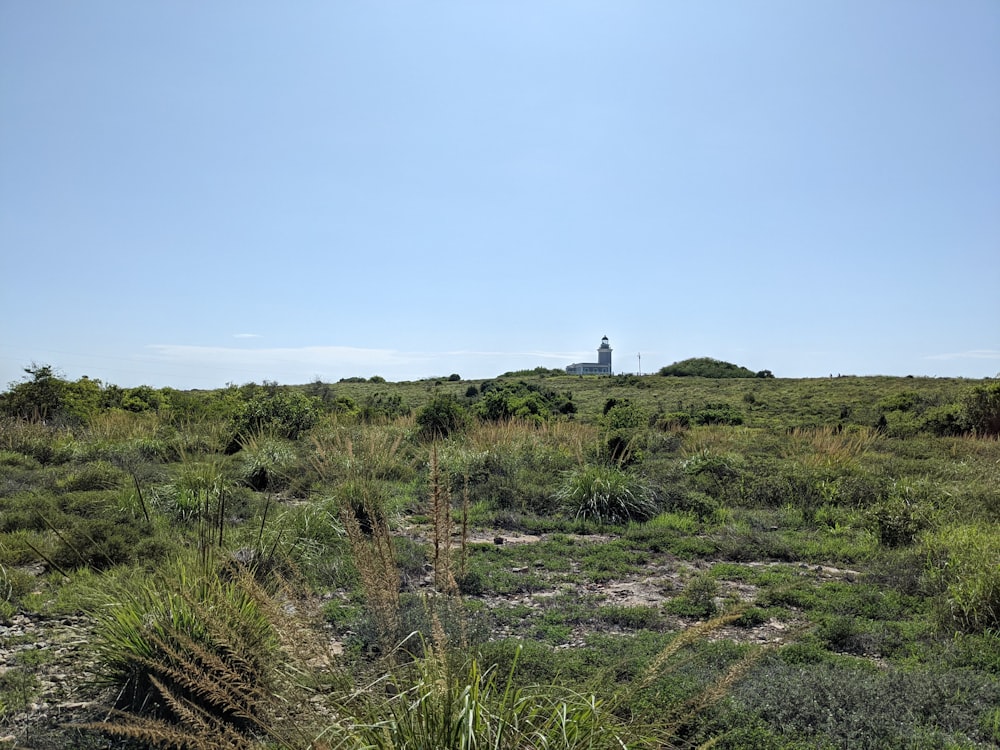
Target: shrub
{"points": [[982, 409], [281, 413], [622, 423], [264, 461], [441, 417], [718, 414], [706, 367], [898, 519], [946, 421], [606, 494], [698, 597]]}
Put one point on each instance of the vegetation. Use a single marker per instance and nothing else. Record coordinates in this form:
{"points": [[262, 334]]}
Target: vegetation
{"points": [[538, 560], [706, 367]]}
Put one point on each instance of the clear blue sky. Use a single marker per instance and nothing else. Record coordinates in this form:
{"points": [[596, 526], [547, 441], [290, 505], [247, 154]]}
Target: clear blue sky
{"points": [[198, 193]]}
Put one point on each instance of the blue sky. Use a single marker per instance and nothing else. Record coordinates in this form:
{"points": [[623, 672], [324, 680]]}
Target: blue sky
{"points": [[199, 193]]}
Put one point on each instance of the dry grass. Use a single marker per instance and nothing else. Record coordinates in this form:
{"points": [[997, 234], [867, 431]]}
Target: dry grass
{"points": [[514, 435], [356, 461], [829, 446], [115, 425]]}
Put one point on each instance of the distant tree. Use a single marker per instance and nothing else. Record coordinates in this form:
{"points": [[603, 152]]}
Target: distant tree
{"points": [[706, 367], [454, 377], [39, 397]]}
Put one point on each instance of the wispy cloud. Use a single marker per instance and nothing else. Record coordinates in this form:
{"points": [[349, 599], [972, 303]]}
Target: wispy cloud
{"points": [[971, 354], [302, 364], [246, 335]]}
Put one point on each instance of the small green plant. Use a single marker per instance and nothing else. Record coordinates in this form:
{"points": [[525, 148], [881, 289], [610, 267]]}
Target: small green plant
{"points": [[698, 597]]}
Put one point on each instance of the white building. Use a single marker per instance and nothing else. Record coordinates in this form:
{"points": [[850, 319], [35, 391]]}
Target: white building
{"points": [[601, 367]]}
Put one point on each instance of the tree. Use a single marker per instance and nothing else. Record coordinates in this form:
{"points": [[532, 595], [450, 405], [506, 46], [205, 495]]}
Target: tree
{"points": [[42, 398]]}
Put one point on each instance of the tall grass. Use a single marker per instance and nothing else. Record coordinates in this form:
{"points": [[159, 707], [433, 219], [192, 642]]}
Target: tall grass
{"points": [[606, 494], [963, 565], [356, 463], [829, 446], [445, 707]]}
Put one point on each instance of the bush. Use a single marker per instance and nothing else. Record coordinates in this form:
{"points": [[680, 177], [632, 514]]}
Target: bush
{"points": [[622, 422], [441, 417], [697, 599], [706, 367], [281, 413], [606, 494], [945, 421], [718, 414], [982, 409], [899, 518]]}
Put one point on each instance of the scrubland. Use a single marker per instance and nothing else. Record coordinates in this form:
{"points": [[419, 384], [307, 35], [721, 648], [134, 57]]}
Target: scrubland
{"points": [[533, 561]]}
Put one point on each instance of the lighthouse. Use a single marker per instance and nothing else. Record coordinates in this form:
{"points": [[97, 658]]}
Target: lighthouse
{"points": [[604, 354], [601, 367]]}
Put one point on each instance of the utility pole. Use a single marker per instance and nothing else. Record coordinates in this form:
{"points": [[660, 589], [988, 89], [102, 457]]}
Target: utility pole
{"points": [[639, 355]]}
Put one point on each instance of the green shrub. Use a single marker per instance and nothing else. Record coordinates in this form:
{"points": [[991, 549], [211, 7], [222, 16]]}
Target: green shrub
{"points": [[442, 416], [697, 599], [945, 421], [835, 703], [282, 413], [97, 475], [264, 461], [706, 367], [606, 494], [725, 414], [193, 660], [622, 423], [899, 518], [982, 409]]}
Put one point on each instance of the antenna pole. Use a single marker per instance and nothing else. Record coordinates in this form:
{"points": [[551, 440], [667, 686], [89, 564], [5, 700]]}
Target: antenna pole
{"points": [[639, 355]]}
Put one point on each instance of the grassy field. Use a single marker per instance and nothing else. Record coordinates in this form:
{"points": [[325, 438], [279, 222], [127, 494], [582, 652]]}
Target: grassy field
{"points": [[538, 560]]}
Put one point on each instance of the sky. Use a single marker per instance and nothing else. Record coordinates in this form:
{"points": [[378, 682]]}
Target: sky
{"points": [[201, 193]]}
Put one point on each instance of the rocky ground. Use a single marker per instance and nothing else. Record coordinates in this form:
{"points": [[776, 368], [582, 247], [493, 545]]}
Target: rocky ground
{"points": [[47, 680], [47, 675]]}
